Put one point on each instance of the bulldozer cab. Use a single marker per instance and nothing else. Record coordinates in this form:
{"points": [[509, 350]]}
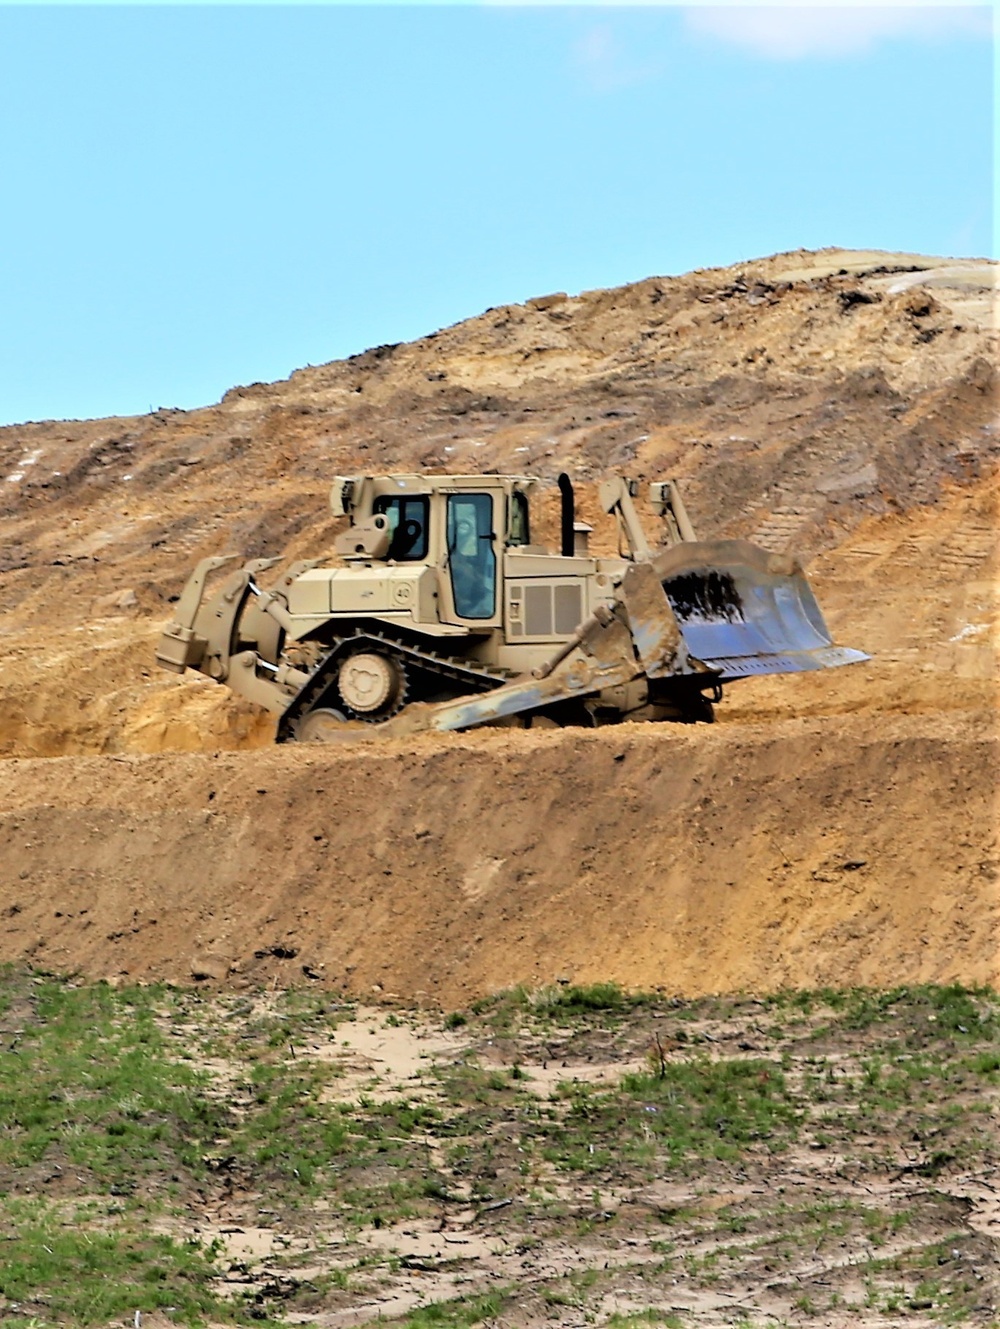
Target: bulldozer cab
{"points": [[460, 525]]}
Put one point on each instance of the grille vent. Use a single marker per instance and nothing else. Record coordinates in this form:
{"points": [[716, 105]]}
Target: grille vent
{"points": [[545, 610]]}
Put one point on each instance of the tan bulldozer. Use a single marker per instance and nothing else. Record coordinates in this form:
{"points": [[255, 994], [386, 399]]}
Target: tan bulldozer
{"points": [[442, 614]]}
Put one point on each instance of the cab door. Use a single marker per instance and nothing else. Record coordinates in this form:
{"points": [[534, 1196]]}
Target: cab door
{"points": [[471, 563]]}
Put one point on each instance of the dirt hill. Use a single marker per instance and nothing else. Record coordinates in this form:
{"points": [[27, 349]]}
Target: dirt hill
{"points": [[840, 404]]}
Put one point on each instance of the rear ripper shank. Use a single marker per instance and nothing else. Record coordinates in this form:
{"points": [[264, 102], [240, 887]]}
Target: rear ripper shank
{"points": [[443, 615]]}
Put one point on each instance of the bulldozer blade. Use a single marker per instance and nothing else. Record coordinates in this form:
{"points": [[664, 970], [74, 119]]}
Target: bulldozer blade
{"points": [[743, 611]]}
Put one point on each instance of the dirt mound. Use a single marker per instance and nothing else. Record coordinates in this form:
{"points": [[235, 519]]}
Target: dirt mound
{"points": [[744, 858]]}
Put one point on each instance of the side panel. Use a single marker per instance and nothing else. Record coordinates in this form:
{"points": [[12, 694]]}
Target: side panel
{"points": [[361, 592], [547, 597], [519, 564], [310, 593], [366, 590], [544, 609]]}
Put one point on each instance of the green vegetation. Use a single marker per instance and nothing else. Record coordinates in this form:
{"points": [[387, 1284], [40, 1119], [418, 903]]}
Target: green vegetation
{"points": [[89, 1276], [695, 1109], [640, 1319], [553, 1005], [131, 1116], [88, 1083], [459, 1313], [572, 1000]]}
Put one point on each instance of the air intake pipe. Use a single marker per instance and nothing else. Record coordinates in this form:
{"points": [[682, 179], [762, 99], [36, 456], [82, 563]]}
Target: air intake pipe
{"points": [[568, 515]]}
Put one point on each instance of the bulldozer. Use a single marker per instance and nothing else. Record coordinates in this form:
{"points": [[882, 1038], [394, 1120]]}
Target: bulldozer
{"points": [[441, 614]]}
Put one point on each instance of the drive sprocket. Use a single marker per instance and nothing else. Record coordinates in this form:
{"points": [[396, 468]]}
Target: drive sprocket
{"points": [[372, 685]]}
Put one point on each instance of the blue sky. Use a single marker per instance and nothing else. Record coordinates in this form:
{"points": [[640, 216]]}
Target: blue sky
{"points": [[193, 197]]}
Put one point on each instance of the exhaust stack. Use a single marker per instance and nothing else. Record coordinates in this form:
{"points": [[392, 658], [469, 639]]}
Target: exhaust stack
{"points": [[568, 540]]}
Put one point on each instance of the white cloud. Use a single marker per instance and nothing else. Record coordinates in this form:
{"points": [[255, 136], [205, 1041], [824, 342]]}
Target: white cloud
{"points": [[603, 63], [791, 31]]}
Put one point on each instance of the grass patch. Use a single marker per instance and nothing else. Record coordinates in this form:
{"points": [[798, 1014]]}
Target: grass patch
{"points": [[694, 1109], [459, 1313], [564, 1004], [572, 1000], [80, 1276], [88, 1083], [285, 1132], [649, 1316], [186, 1107]]}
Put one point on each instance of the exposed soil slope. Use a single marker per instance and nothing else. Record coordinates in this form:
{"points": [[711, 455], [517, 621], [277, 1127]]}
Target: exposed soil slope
{"points": [[843, 405], [695, 860]]}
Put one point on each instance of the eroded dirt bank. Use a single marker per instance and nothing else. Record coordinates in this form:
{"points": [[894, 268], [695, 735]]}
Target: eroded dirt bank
{"points": [[797, 853]]}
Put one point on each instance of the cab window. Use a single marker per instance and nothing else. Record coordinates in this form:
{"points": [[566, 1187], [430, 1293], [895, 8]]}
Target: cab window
{"points": [[518, 532], [471, 556], [408, 524]]}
